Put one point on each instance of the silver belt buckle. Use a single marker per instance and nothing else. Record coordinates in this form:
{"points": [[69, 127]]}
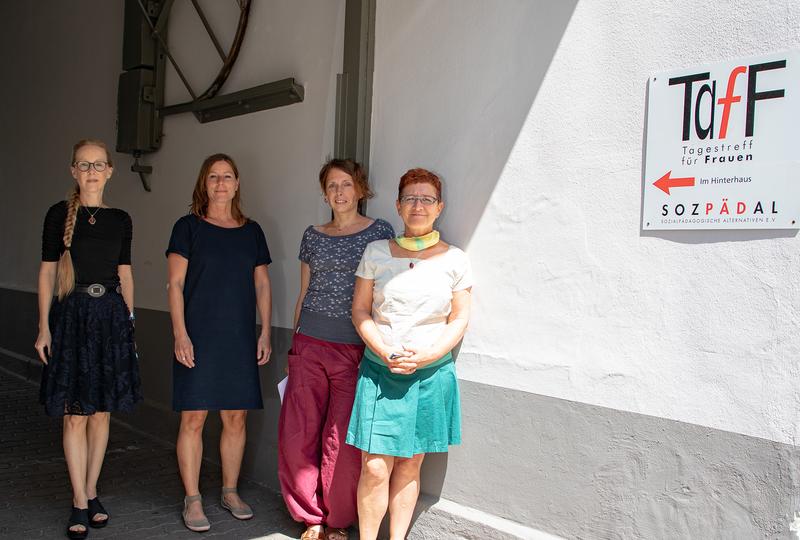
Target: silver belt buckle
{"points": [[96, 290]]}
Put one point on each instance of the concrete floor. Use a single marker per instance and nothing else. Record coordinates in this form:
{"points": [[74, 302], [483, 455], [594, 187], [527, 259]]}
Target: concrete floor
{"points": [[139, 485]]}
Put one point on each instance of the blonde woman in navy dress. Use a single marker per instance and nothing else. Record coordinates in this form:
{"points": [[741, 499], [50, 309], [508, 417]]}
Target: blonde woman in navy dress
{"points": [[218, 278], [411, 306], [86, 337]]}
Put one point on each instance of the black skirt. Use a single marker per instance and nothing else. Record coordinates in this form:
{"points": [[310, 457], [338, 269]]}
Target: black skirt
{"points": [[93, 366]]}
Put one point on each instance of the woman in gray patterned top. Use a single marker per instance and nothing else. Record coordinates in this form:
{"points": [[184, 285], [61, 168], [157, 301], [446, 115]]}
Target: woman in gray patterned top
{"points": [[317, 470]]}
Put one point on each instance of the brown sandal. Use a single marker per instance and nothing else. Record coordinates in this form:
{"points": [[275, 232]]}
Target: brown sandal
{"points": [[333, 533], [311, 534]]}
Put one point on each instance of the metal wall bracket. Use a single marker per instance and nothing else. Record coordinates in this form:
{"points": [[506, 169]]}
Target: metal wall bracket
{"points": [[257, 98], [142, 170], [140, 98]]}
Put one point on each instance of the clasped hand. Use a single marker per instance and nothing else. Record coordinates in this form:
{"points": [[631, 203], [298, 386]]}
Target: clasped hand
{"points": [[407, 360]]}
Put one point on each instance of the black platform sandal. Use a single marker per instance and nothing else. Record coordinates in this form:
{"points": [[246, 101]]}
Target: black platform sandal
{"points": [[79, 516], [95, 507]]}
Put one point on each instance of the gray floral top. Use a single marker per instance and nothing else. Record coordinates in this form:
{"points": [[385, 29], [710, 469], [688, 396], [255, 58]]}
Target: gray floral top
{"points": [[333, 261]]}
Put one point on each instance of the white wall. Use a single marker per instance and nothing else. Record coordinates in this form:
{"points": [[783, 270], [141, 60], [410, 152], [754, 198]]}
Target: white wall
{"points": [[64, 88], [533, 112]]}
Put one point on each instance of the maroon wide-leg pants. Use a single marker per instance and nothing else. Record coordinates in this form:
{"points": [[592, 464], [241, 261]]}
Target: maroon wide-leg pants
{"points": [[318, 472]]}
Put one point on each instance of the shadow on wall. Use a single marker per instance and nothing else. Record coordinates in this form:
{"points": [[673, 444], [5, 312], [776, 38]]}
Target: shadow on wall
{"points": [[482, 71]]}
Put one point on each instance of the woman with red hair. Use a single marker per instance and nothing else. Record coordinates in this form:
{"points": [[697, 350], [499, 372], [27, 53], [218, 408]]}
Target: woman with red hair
{"points": [[411, 307]]}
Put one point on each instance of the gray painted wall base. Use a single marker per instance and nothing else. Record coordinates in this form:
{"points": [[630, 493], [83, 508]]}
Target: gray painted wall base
{"points": [[567, 468], [582, 471], [434, 517]]}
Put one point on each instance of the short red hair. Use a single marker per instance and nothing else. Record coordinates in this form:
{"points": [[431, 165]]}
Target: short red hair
{"points": [[420, 176]]}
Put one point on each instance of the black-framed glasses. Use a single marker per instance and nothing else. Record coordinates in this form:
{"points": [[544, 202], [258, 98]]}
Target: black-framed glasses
{"points": [[408, 200], [84, 166]]}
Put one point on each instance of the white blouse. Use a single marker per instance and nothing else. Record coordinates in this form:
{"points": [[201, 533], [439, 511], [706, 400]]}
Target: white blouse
{"points": [[412, 298]]}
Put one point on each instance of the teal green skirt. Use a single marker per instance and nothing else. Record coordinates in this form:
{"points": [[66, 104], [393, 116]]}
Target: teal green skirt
{"points": [[404, 415]]}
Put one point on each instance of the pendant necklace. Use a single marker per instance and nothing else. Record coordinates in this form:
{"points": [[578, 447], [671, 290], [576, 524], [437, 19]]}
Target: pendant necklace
{"points": [[92, 221]]}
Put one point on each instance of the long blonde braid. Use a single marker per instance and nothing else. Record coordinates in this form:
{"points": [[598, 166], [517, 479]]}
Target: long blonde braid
{"points": [[66, 271]]}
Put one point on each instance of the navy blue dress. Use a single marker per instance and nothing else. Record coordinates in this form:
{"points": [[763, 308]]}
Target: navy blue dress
{"points": [[220, 311]]}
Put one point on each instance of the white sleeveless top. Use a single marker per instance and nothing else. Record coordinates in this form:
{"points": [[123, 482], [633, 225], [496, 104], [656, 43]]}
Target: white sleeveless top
{"points": [[412, 298]]}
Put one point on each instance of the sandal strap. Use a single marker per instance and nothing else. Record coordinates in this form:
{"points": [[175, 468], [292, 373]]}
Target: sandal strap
{"points": [[336, 531], [239, 512], [96, 507], [79, 516], [192, 498], [226, 490]]}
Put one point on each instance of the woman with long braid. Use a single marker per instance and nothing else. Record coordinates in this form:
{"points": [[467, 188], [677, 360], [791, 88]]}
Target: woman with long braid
{"points": [[86, 337]]}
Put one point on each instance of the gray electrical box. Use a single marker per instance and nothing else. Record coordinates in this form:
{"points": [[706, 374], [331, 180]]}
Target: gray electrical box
{"points": [[140, 92], [138, 121], [138, 47]]}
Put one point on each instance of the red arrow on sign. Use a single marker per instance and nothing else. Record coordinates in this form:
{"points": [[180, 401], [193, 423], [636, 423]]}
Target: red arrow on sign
{"points": [[665, 182]]}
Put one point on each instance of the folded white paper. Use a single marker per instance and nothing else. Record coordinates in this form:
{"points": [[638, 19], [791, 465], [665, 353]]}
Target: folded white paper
{"points": [[282, 387]]}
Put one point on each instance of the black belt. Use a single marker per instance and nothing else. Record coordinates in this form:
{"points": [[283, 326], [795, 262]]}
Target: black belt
{"points": [[97, 290]]}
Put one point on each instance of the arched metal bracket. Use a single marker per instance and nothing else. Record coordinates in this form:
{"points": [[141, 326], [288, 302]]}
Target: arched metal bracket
{"points": [[140, 97]]}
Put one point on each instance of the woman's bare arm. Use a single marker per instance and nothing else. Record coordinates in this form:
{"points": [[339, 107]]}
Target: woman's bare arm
{"points": [[47, 285], [264, 305], [126, 284], [305, 279], [453, 332], [368, 330], [176, 267]]}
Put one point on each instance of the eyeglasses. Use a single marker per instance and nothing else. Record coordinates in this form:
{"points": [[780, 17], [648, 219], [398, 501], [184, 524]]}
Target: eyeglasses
{"points": [[84, 166], [409, 200]]}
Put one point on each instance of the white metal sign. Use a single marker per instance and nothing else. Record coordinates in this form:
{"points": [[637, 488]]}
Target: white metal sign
{"points": [[723, 150]]}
